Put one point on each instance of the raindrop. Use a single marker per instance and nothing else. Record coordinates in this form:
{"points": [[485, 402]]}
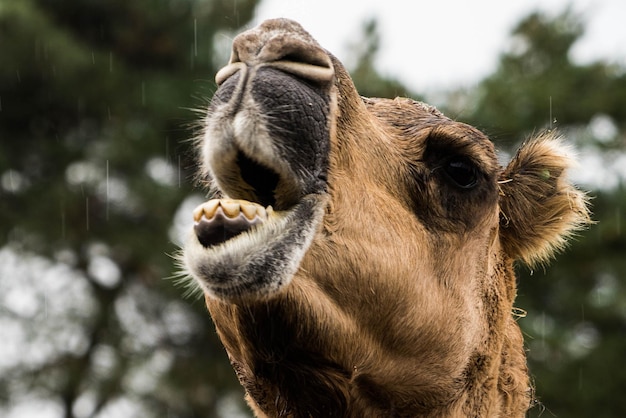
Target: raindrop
{"points": [[107, 191], [143, 93], [179, 170], [93, 58], [582, 312], [195, 37], [550, 112], [63, 222], [87, 213], [110, 62], [580, 379], [19, 77]]}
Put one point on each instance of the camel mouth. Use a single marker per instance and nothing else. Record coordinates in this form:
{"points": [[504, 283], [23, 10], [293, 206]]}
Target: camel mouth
{"points": [[255, 196], [263, 180], [266, 147], [219, 220], [248, 244], [241, 250]]}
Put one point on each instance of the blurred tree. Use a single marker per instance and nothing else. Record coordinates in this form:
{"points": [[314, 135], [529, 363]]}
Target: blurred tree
{"points": [[537, 86], [368, 80], [576, 307], [94, 115]]}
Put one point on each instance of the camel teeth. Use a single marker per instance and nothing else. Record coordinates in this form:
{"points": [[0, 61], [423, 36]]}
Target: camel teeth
{"points": [[249, 210], [207, 209], [210, 208], [198, 212], [231, 208]]}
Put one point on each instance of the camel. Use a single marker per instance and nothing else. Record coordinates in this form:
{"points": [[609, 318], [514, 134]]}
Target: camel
{"points": [[357, 254]]}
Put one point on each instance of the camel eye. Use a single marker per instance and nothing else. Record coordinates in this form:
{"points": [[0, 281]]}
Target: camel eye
{"points": [[462, 172]]}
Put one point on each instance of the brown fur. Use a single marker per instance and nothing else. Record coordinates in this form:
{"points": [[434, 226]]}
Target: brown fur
{"points": [[540, 209], [402, 305]]}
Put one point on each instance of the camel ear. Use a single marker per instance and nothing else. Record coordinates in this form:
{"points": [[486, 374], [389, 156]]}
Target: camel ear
{"points": [[539, 208]]}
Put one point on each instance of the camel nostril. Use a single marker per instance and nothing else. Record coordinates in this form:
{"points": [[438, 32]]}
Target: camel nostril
{"points": [[226, 72], [298, 56], [301, 52], [281, 44], [308, 63]]}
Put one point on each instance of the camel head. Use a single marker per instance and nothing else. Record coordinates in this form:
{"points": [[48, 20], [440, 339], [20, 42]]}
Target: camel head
{"points": [[357, 256]]}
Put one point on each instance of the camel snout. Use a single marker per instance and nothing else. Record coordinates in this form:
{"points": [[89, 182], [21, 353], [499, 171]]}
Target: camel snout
{"points": [[282, 44]]}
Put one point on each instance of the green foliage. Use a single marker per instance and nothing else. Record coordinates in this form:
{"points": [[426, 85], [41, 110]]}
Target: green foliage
{"points": [[575, 321], [537, 86], [95, 118], [369, 82]]}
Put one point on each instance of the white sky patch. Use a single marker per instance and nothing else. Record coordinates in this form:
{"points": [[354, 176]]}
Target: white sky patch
{"points": [[123, 407], [13, 182], [600, 170], [182, 226], [162, 171], [104, 270], [46, 305], [603, 128], [32, 407], [83, 172], [85, 404], [448, 43]]}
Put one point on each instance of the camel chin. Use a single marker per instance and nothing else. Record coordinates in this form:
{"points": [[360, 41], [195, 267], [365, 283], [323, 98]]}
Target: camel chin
{"points": [[236, 255]]}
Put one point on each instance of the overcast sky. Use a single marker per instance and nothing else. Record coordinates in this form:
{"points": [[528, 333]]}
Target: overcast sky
{"points": [[434, 45]]}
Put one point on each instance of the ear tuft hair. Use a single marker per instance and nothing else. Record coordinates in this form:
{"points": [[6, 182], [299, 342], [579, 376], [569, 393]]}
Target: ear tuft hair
{"points": [[539, 209]]}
